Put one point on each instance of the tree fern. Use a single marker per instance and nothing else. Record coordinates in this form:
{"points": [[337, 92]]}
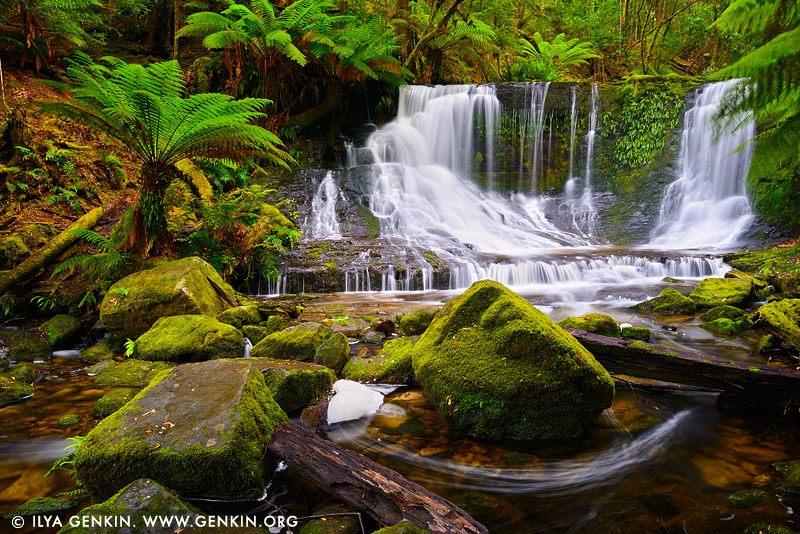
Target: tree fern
{"points": [[550, 61]]}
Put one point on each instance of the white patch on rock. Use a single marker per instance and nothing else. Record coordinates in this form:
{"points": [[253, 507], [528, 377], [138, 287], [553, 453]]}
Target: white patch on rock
{"points": [[352, 401]]}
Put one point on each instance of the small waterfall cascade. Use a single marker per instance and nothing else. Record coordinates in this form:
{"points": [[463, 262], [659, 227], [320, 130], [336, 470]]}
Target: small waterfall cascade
{"points": [[581, 208], [533, 128], [323, 223], [573, 126], [707, 206]]}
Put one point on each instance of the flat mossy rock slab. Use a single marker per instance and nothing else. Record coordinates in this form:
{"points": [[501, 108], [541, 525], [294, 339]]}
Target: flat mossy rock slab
{"points": [[12, 390], [416, 322], [333, 353], [406, 527], [61, 329], [145, 498], [726, 326], [240, 316], [189, 338], [188, 286], [130, 373], [113, 401], [392, 365], [780, 318], [41, 506], [669, 301], [723, 312], [295, 343], [713, 292], [496, 367], [636, 332], [295, 384], [200, 429], [596, 323], [26, 346]]}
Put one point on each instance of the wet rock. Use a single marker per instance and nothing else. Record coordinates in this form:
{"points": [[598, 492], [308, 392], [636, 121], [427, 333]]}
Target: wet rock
{"points": [[333, 524], [200, 428], [725, 326], [713, 292], [373, 337], [24, 372], [723, 312], [27, 346], [130, 373], [494, 366], [61, 329], [299, 342], [596, 323], [105, 350], [295, 384], [255, 333], [789, 284], [352, 332], [316, 416], [69, 420], [406, 527], [745, 498], [768, 342], [669, 301], [41, 506], [636, 332], [764, 528], [781, 318], [12, 252], [188, 286], [384, 326], [416, 322], [184, 338], [333, 353], [240, 316], [275, 323], [391, 366], [12, 390], [113, 401]]}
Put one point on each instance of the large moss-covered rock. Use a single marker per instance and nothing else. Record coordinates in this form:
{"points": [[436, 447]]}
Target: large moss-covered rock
{"points": [[61, 329], [200, 429], [113, 401], [725, 326], [130, 373], [392, 365], [789, 284], [416, 322], [333, 353], [636, 332], [188, 286], [405, 527], [723, 312], [596, 323], [24, 372], [669, 301], [296, 342], [28, 346], [494, 366], [240, 316], [187, 338], [255, 333], [713, 292], [780, 318], [12, 390], [99, 352], [295, 384], [12, 251]]}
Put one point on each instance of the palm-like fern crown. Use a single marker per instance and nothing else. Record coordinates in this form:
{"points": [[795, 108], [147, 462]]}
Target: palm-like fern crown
{"points": [[144, 108], [550, 61], [771, 87]]}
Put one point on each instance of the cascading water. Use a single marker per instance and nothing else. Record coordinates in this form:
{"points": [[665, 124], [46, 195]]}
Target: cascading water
{"points": [[323, 223], [582, 209], [707, 206]]}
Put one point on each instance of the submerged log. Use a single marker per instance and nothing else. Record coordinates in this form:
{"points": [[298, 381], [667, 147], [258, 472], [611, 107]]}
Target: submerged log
{"points": [[49, 252], [670, 364], [367, 486]]}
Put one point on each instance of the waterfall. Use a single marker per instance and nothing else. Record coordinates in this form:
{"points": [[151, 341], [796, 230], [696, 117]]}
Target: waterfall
{"points": [[582, 209], [707, 206], [324, 224]]}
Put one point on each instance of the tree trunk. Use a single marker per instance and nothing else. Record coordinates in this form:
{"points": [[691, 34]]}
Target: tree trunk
{"points": [[149, 230], [376, 490]]}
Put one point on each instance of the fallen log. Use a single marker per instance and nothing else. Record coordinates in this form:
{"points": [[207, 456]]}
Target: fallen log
{"points": [[367, 486], [671, 364], [49, 252]]}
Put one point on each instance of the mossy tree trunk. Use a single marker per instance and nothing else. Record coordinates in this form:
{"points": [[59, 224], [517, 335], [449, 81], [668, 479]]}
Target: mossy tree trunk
{"points": [[149, 231]]}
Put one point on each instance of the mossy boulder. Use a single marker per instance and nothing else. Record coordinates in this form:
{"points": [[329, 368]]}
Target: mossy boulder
{"points": [[99, 352], [780, 318], [725, 326], [187, 338], [713, 292], [406, 527], [723, 312], [275, 323], [331, 521], [764, 528], [130, 373], [61, 329], [37, 235], [295, 384], [240, 316], [296, 342], [416, 322], [494, 366], [789, 284], [113, 401], [26, 346], [12, 251], [200, 429], [68, 420], [392, 365], [669, 301], [12, 390], [768, 342], [745, 498], [636, 332], [255, 333], [333, 353], [24, 372], [189, 286], [42, 506], [596, 323]]}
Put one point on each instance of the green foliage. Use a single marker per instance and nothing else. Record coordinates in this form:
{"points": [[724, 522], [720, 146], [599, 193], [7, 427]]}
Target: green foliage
{"points": [[551, 61], [341, 320], [67, 462], [95, 266], [130, 347], [44, 302], [6, 306]]}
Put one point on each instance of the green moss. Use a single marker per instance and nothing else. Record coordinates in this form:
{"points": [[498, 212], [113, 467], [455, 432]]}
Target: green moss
{"points": [[713, 292], [97, 353], [333, 353], [768, 261], [596, 323], [255, 333], [68, 420], [318, 249], [415, 323], [113, 401], [768, 342], [780, 318], [221, 417], [391, 366], [669, 301], [295, 384], [29, 346], [182, 338], [297, 342], [725, 326], [406, 527], [332, 524], [635, 332], [763, 528], [371, 222], [275, 323], [494, 366], [196, 179], [240, 316], [130, 373], [12, 390], [37, 235], [24, 372], [42, 506], [723, 312], [61, 329], [12, 251]]}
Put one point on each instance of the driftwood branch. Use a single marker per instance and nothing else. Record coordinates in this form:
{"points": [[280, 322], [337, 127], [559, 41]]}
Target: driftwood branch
{"points": [[365, 485]]}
